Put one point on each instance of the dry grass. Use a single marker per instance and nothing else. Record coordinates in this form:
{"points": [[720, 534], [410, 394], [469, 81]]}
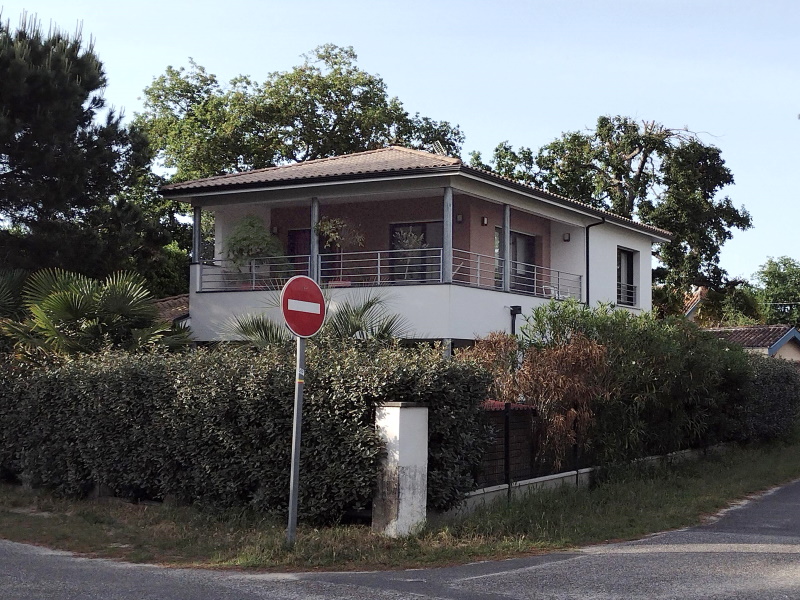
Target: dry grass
{"points": [[629, 504]]}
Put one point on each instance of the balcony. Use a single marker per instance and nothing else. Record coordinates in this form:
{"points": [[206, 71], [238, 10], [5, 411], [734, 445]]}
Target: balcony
{"points": [[390, 268], [626, 294]]}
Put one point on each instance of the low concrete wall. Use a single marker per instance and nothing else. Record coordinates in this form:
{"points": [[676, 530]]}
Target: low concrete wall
{"points": [[582, 477]]}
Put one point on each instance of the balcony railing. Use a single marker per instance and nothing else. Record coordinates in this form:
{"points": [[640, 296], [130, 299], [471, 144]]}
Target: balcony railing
{"points": [[626, 294], [256, 274], [383, 267], [388, 268]]}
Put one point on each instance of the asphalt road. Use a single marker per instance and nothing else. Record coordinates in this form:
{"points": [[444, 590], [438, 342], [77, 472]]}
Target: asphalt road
{"points": [[749, 552]]}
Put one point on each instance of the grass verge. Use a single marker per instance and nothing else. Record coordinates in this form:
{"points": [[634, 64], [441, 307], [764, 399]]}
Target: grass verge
{"points": [[628, 504]]}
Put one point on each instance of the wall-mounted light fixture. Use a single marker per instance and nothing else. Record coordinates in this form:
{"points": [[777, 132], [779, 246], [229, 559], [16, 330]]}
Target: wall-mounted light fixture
{"points": [[484, 221], [274, 230], [565, 237], [459, 218]]}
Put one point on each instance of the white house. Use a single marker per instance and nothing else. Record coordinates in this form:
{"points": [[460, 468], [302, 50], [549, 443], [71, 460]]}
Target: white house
{"points": [[485, 246]]}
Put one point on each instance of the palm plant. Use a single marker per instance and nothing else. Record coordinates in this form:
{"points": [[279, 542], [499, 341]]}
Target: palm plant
{"points": [[11, 283], [364, 318], [69, 313]]}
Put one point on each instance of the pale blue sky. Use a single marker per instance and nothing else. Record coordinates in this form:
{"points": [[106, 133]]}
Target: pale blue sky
{"points": [[521, 71]]}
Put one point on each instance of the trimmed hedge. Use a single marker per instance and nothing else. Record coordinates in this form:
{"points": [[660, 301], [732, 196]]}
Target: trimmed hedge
{"points": [[214, 427], [773, 405]]}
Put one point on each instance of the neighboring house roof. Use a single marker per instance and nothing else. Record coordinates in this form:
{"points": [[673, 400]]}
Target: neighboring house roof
{"points": [[771, 337], [172, 308], [383, 162], [693, 301]]}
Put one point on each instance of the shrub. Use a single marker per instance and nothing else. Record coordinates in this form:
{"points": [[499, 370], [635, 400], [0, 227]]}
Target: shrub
{"points": [[668, 385], [214, 427], [771, 411]]}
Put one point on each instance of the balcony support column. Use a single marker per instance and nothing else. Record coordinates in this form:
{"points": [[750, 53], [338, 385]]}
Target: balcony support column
{"points": [[447, 237], [197, 232], [313, 259], [506, 248]]}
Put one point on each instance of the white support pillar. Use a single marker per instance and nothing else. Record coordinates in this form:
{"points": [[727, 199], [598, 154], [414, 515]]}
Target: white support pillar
{"points": [[447, 237], [399, 506], [506, 248], [313, 259], [197, 235]]}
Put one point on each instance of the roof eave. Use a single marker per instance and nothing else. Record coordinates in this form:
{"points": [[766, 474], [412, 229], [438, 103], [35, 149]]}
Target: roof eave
{"points": [[175, 191]]}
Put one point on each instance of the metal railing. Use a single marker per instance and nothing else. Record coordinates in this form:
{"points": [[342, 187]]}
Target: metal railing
{"points": [[256, 274], [626, 294], [541, 281], [394, 267], [478, 270], [381, 267]]}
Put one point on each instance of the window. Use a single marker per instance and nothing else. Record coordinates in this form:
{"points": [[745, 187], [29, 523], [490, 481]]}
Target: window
{"points": [[626, 288], [417, 251], [523, 260]]}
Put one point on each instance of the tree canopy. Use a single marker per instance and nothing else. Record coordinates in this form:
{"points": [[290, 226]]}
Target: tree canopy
{"points": [[660, 176], [779, 280], [326, 106], [71, 173]]}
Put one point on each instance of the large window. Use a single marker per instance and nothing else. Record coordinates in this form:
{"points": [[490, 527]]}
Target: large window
{"points": [[417, 256], [626, 282], [524, 275]]}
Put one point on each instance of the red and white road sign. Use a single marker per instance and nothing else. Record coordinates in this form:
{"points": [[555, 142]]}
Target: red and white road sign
{"points": [[303, 306]]}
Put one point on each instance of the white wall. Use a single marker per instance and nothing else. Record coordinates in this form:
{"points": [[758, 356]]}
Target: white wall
{"points": [[431, 311], [568, 257], [603, 244]]}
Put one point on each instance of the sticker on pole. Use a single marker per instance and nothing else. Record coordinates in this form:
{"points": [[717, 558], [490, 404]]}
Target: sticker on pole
{"points": [[303, 306]]}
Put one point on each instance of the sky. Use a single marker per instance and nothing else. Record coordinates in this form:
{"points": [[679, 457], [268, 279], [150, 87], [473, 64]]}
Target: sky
{"points": [[522, 71]]}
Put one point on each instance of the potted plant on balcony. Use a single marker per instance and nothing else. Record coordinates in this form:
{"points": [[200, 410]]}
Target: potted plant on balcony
{"points": [[411, 264], [253, 250], [336, 235]]}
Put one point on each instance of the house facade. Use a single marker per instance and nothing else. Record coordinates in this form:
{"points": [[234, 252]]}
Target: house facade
{"points": [[455, 250]]}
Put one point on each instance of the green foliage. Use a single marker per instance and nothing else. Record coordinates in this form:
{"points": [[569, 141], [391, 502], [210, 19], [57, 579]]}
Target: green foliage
{"points": [[251, 239], [669, 385], [664, 177], [734, 304], [68, 313], [214, 427], [338, 234], [773, 406], [360, 318], [780, 290], [71, 173], [325, 107]]}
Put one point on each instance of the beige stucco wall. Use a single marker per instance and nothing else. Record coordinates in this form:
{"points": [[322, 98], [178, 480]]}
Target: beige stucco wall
{"points": [[789, 351]]}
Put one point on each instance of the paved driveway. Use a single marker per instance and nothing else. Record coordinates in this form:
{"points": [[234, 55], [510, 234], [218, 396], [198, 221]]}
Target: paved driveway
{"points": [[751, 552]]}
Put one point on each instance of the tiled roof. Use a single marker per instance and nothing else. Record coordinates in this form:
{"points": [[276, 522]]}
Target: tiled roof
{"points": [[753, 336], [172, 308], [383, 161]]}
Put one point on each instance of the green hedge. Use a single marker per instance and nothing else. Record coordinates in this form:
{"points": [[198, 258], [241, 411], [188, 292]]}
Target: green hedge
{"points": [[214, 427], [670, 385], [773, 403]]}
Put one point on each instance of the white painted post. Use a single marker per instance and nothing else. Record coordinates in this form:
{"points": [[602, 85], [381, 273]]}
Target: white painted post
{"points": [[399, 505], [447, 237]]}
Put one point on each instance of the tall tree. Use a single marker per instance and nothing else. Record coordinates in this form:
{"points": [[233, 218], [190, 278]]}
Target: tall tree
{"points": [[779, 280], [326, 106], [645, 171], [69, 168]]}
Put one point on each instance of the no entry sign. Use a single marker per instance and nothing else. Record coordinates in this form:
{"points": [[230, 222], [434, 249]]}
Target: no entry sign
{"points": [[303, 306]]}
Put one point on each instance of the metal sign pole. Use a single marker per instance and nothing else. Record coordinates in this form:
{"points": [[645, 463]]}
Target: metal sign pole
{"points": [[294, 481]]}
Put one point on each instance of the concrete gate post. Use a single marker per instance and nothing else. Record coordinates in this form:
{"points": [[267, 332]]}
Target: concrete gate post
{"points": [[398, 508]]}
